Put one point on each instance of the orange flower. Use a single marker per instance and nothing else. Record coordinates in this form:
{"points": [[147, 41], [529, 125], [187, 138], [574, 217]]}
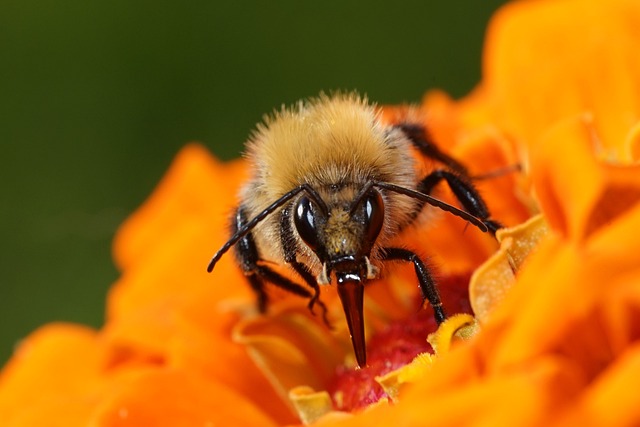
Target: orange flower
{"points": [[559, 336]]}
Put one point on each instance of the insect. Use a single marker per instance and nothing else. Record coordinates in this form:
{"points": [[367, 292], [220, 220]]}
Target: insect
{"points": [[332, 186]]}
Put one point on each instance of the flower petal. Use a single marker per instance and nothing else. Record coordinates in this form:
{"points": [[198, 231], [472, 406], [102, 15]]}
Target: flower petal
{"points": [[610, 401], [171, 397], [192, 189], [560, 59], [47, 383], [579, 193], [291, 348], [310, 405], [491, 281]]}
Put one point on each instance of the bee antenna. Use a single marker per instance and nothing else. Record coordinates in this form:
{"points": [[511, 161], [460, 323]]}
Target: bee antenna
{"points": [[356, 201], [434, 202], [246, 229]]}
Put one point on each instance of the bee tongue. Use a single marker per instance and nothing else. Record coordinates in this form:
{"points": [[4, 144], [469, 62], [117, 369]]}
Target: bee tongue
{"points": [[351, 291]]}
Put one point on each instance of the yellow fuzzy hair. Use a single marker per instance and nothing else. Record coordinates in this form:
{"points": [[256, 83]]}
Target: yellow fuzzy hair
{"points": [[322, 141], [336, 139]]}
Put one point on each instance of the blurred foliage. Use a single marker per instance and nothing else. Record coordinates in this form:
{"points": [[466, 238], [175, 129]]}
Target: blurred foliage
{"points": [[97, 97]]}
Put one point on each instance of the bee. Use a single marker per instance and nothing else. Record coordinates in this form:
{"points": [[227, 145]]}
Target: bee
{"points": [[332, 186]]}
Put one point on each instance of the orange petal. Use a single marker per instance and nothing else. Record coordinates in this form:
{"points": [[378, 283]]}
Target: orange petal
{"points": [[53, 378], [610, 400], [633, 143], [552, 282], [291, 348], [196, 186], [487, 151], [566, 176], [556, 305], [152, 293], [560, 59], [171, 398], [577, 192], [169, 311], [526, 398]]}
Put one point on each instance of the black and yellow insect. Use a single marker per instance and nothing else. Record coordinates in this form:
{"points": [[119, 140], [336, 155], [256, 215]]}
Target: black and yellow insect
{"points": [[332, 187]]}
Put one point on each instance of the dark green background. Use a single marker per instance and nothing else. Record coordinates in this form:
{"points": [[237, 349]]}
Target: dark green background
{"points": [[97, 97]]}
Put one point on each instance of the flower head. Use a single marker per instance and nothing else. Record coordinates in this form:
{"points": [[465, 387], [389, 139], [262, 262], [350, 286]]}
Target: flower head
{"points": [[557, 302]]}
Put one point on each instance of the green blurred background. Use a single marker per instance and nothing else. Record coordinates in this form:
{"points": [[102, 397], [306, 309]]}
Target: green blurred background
{"points": [[97, 97]]}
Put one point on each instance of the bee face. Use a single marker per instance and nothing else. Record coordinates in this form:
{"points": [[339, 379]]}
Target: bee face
{"points": [[343, 233]]}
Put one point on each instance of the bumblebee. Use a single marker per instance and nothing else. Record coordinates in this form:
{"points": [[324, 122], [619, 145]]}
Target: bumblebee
{"points": [[332, 186]]}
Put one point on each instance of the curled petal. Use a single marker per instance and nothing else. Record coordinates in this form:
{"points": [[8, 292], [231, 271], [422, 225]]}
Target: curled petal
{"points": [[457, 327], [313, 405], [290, 348], [393, 381], [491, 281]]}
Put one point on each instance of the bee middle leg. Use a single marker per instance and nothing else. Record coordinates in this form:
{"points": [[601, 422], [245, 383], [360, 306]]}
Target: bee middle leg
{"points": [[464, 191], [456, 177], [259, 274]]}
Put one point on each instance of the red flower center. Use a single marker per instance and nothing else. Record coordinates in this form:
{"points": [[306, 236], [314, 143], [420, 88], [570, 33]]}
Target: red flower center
{"points": [[395, 346]]}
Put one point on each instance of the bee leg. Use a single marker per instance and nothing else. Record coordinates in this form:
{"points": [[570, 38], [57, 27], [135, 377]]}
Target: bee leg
{"points": [[257, 284], [246, 253], [290, 252], [427, 284], [306, 275], [464, 191], [421, 140], [258, 274]]}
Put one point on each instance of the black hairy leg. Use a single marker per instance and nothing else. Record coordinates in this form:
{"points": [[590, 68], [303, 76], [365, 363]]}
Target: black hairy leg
{"points": [[421, 140], [258, 274], [427, 284], [464, 191], [290, 252]]}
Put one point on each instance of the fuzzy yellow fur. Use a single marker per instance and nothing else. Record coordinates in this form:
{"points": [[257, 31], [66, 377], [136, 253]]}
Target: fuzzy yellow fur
{"points": [[327, 140]]}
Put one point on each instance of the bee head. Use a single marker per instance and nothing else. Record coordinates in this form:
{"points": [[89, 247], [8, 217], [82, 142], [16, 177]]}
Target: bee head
{"points": [[341, 233]]}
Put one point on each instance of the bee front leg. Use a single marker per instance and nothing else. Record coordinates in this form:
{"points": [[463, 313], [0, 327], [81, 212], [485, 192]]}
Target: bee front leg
{"points": [[257, 273], [427, 284], [290, 252]]}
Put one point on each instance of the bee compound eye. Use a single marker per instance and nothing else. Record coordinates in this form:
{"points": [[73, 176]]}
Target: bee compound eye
{"points": [[373, 215], [306, 222]]}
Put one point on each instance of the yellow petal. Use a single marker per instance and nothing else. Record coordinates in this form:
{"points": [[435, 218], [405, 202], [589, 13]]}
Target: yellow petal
{"points": [[310, 405], [290, 348], [490, 282]]}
